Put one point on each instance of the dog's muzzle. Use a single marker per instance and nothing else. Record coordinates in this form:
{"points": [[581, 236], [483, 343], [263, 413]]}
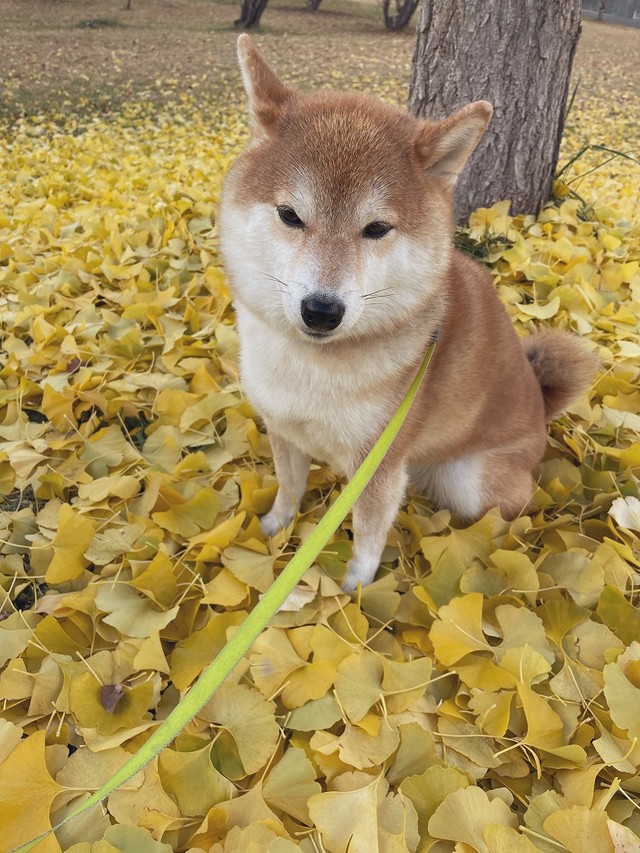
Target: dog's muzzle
{"points": [[322, 313]]}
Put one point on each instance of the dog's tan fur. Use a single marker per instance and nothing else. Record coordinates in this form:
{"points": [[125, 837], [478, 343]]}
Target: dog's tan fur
{"points": [[478, 425]]}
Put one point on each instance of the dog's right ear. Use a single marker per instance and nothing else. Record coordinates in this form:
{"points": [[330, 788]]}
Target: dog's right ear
{"points": [[268, 97]]}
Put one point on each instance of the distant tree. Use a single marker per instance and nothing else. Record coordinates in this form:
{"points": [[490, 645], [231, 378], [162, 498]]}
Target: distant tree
{"points": [[602, 9], [517, 54], [314, 4], [250, 13], [404, 9]]}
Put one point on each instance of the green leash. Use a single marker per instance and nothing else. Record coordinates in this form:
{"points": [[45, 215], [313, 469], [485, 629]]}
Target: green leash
{"points": [[249, 630]]}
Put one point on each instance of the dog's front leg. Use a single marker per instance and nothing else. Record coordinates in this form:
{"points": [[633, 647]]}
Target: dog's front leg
{"points": [[373, 515], [292, 467]]}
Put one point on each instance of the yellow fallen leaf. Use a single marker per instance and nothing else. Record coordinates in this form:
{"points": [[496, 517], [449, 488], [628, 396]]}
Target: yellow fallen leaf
{"points": [[72, 539], [27, 789]]}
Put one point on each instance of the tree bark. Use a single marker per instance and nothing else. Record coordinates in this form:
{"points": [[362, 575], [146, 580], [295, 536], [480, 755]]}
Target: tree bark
{"points": [[404, 11], [314, 4], [250, 13], [517, 54]]}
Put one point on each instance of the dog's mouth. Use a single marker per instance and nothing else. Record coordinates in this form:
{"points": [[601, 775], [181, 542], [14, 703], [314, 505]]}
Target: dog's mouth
{"points": [[316, 335]]}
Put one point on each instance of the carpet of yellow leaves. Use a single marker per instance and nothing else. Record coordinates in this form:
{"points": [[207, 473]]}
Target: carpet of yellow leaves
{"points": [[485, 691]]}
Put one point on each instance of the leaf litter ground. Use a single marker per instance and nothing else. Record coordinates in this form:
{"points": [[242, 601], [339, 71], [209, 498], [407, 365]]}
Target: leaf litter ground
{"points": [[483, 694]]}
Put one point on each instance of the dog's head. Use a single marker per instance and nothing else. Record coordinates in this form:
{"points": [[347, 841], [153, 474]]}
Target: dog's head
{"points": [[337, 219]]}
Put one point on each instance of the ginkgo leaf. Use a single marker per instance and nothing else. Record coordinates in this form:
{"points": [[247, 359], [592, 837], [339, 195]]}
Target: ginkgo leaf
{"points": [[624, 840], [458, 630], [619, 614], [192, 655], [626, 512], [88, 704], [623, 698], [404, 681], [178, 770], [544, 726], [316, 714], [158, 580], [239, 813], [131, 612], [580, 828], [520, 627], [250, 721], [310, 682], [188, 518], [72, 539], [98, 490], [257, 837], [416, 752], [464, 814], [353, 819], [576, 572], [367, 744], [27, 788], [88, 769], [526, 664], [254, 569], [429, 789], [134, 839], [359, 683], [500, 838], [129, 806], [493, 711], [290, 785], [10, 737]]}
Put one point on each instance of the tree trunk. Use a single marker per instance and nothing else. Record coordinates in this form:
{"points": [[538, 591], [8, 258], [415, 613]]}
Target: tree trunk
{"points": [[250, 13], [517, 54], [602, 9], [314, 4], [404, 11]]}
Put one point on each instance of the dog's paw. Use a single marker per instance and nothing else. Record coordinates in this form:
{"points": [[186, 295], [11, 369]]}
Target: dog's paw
{"points": [[358, 571], [275, 521]]}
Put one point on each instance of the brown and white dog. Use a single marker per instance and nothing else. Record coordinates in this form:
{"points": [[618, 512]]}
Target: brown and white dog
{"points": [[336, 231]]}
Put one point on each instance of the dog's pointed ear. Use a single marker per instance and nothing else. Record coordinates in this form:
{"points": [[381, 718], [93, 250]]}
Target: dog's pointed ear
{"points": [[268, 97], [444, 147]]}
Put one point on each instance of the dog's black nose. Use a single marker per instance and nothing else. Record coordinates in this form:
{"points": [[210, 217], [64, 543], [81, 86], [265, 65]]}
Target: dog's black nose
{"points": [[322, 313]]}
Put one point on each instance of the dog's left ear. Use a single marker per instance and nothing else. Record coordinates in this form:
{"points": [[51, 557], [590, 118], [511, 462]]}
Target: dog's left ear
{"points": [[268, 97], [443, 148]]}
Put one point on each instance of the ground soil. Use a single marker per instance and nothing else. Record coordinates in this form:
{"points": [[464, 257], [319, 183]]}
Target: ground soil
{"points": [[65, 55]]}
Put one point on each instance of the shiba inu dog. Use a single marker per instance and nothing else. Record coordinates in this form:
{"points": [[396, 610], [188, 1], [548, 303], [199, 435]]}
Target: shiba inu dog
{"points": [[336, 232]]}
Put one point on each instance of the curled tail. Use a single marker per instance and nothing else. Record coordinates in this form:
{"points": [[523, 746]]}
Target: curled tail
{"points": [[563, 366]]}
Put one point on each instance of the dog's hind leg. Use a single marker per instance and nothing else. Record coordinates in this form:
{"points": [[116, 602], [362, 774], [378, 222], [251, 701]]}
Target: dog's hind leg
{"points": [[373, 515], [292, 467], [456, 484], [508, 483], [470, 485]]}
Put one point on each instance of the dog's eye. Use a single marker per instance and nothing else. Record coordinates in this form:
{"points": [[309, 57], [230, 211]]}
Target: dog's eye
{"points": [[289, 216], [376, 230]]}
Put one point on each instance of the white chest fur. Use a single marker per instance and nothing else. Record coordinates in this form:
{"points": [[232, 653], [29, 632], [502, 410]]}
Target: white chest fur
{"points": [[328, 405]]}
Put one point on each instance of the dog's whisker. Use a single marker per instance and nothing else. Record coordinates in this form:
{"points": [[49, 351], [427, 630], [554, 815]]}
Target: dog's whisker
{"points": [[273, 278], [377, 292]]}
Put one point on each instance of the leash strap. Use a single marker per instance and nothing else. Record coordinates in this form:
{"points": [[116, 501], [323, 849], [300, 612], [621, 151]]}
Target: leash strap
{"points": [[257, 620]]}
